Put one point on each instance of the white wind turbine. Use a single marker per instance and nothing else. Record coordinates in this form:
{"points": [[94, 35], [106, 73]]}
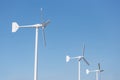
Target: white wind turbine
{"points": [[42, 25], [97, 71], [79, 58]]}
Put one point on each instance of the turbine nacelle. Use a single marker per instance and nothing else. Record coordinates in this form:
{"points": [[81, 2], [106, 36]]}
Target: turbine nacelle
{"points": [[68, 58], [88, 71]]}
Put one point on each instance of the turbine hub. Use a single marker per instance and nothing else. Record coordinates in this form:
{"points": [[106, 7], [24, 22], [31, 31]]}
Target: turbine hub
{"points": [[38, 25]]}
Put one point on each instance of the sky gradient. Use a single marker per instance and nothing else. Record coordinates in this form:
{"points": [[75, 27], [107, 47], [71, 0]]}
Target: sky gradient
{"points": [[73, 22]]}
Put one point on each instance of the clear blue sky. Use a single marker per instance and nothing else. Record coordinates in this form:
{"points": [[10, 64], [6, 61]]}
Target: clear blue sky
{"points": [[73, 22]]}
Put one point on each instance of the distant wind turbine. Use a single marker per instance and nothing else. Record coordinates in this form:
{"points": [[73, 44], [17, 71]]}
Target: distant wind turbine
{"points": [[97, 71], [79, 58]]}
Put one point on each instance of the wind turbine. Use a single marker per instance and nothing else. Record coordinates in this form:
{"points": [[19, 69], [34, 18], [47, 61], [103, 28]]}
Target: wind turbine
{"points": [[97, 71], [42, 25], [79, 58]]}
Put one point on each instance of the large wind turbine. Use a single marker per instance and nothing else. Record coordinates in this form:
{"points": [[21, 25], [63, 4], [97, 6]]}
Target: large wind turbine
{"points": [[79, 58], [42, 25], [97, 71]]}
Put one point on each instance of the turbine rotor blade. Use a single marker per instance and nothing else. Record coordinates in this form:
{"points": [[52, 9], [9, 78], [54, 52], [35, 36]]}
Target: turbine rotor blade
{"points": [[43, 32], [86, 61], [99, 66], [79, 59], [83, 49], [41, 15], [101, 70]]}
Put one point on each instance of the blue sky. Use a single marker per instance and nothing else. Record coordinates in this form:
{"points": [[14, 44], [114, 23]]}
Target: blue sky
{"points": [[73, 22]]}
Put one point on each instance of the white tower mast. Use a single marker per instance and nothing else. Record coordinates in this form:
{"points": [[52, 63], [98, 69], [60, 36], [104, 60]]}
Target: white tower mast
{"points": [[36, 55]]}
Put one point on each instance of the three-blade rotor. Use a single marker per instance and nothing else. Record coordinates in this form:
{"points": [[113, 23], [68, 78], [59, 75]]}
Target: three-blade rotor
{"points": [[42, 25]]}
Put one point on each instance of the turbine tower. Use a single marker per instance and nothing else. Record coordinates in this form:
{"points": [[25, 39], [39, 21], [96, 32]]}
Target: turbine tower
{"points": [[42, 25], [79, 58], [97, 71]]}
